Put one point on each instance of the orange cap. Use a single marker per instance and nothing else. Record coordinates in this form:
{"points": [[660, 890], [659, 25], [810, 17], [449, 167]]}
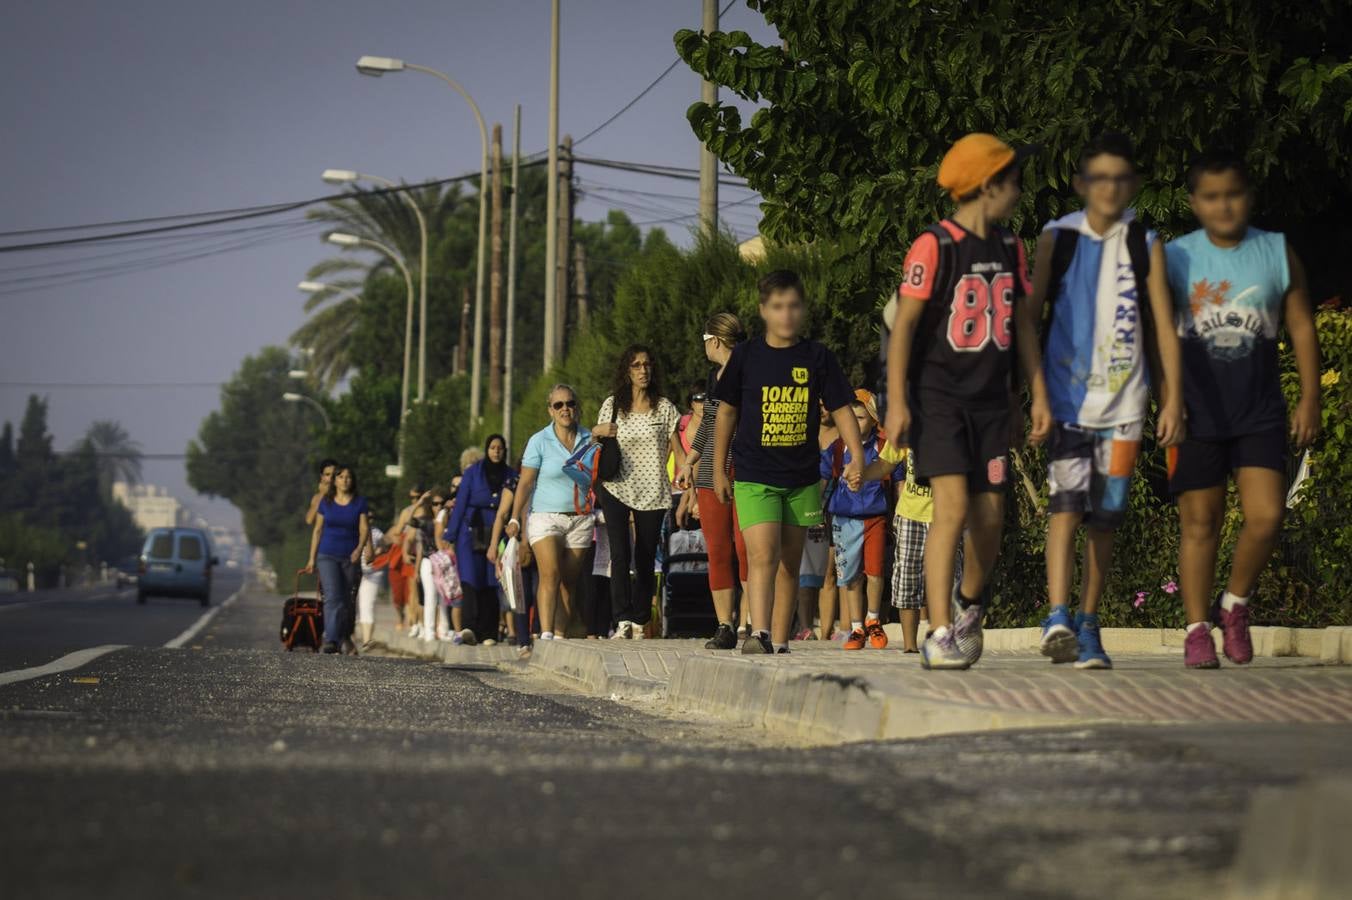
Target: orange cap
{"points": [[973, 159], [868, 401]]}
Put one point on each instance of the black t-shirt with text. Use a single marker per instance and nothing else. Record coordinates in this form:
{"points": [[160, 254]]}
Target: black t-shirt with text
{"points": [[776, 391]]}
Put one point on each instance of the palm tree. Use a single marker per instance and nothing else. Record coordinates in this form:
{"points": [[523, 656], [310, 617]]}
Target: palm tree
{"points": [[377, 216], [119, 457]]}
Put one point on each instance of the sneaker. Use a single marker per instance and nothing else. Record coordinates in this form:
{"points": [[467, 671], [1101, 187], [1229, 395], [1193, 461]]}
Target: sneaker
{"points": [[456, 638], [547, 636], [1058, 636], [757, 644], [490, 643], [724, 639], [877, 638], [640, 631], [967, 631], [806, 634], [1234, 627], [1199, 651], [855, 641], [1091, 654], [623, 632], [781, 650], [467, 636], [940, 651], [415, 631], [329, 647]]}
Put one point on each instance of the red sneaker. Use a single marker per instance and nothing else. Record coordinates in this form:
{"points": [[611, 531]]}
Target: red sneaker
{"points": [[855, 641], [877, 638], [1234, 627], [1199, 651]]}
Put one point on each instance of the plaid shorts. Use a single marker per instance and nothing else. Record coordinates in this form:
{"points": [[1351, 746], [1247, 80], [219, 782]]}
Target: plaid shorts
{"points": [[908, 569]]}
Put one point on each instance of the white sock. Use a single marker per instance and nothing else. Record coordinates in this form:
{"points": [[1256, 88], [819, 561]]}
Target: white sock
{"points": [[1229, 601], [762, 633], [779, 647], [856, 625], [874, 615], [941, 631], [546, 635], [1195, 625]]}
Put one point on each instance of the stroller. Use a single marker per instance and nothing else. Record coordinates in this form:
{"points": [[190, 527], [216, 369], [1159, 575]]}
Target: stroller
{"points": [[687, 604]]}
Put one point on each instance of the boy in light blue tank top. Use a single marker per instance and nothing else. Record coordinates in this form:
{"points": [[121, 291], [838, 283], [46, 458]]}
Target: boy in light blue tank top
{"points": [[1103, 275], [1234, 286]]}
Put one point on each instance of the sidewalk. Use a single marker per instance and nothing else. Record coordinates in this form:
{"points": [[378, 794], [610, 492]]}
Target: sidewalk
{"points": [[821, 693]]}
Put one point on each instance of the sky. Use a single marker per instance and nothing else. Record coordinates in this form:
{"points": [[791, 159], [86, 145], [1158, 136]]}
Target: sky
{"points": [[144, 108]]}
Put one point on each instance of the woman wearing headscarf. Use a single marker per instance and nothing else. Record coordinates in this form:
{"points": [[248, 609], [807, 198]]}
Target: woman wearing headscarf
{"points": [[470, 531]]}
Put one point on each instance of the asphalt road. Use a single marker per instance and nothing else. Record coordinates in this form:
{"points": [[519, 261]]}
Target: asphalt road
{"points": [[38, 628], [230, 769]]}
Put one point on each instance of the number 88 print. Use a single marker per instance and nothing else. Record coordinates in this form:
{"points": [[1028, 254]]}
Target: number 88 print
{"points": [[982, 311]]}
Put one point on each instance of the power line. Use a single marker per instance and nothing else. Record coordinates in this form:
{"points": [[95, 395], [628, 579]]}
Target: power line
{"points": [[85, 385], [643, 93], [677, 172]]}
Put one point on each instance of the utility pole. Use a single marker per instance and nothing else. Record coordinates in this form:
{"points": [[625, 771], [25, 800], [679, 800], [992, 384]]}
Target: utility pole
{"points": [[495, 279], [565, 245], [552, 191], [462, 351], [510, 350], [580, 285], [708, 163]]}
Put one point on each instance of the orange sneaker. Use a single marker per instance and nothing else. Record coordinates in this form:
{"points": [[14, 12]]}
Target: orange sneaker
{"points": [[856, 640], [877, 638]]}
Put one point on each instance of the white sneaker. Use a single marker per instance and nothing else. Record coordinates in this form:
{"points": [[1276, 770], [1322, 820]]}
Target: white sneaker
{"points": [[489, 642], [640, 631], [547, 636], [623, 632], [415, 631], [467, 637]]}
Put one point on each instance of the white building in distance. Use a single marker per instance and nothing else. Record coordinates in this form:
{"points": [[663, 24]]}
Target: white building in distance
{"points": [[151, 506]]}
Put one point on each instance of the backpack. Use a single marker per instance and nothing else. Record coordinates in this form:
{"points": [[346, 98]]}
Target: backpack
{"points": [[838, 463], [944, 270], [1138, 248]]}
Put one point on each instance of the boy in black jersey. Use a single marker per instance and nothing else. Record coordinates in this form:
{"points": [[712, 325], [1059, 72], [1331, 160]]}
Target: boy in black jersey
{"points": [[950, 360]]}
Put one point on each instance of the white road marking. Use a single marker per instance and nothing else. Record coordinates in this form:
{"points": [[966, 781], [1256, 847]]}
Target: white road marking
{"points": [[195, 627], [64, 664]]}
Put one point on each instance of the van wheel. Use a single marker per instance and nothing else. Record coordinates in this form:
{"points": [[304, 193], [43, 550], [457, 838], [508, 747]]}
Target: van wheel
{"points": [[141, 597]]}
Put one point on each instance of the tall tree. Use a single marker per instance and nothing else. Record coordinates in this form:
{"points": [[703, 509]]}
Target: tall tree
{"points": [[118, 456], [35, 444], [6, 450], [861, 100]]}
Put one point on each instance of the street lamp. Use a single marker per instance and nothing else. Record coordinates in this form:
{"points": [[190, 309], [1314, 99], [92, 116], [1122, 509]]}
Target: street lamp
{"points": [[292, 397], [298, 374], [379, 65], [350, 241], [350, 176]]}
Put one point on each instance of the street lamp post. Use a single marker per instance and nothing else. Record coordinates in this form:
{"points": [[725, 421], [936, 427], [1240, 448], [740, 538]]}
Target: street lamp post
{"points": [[379, 65], [348, 176], [349, 241], [292, 397]]}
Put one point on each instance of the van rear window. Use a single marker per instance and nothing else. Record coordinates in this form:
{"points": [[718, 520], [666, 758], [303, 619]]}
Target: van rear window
{"points": [[162, 545], [189, 547]]}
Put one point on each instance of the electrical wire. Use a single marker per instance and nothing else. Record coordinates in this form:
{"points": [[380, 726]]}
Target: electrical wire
{"points": [[643, 93], [127, 385]]}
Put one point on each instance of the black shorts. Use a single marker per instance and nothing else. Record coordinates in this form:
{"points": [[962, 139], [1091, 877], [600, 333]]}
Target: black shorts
{"points": [[952, 440], [1197, 464]]}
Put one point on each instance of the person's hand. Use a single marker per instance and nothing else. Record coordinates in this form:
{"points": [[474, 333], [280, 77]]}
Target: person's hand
{"points": [[898, 423], [686, 477], [722, 487], [1041, 422], [513, 529], [605, 430], [309, 568], [493, 556], [1171, 429], [356, 555], [497, 566], [1305, 422], [524, 555], [853, 474]]}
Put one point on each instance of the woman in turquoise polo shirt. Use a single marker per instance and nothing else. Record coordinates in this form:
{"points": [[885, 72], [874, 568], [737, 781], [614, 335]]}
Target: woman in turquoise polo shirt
{"points": [[559, 529]]}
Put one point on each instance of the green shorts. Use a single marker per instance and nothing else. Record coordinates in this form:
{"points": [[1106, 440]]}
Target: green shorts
{"points": [[758, 504]]}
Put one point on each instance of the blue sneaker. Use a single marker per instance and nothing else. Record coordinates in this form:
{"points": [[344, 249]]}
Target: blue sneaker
{"points": [[1058, 636], [1091, 655], [967, 632]]}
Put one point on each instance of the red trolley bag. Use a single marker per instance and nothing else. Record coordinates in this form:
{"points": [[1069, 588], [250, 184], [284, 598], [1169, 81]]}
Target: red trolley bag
{"points": [[303, 618]]}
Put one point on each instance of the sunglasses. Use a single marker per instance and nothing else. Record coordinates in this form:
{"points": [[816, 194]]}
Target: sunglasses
{"points": [[563, 404], [641, 365], [697, 398], [710, 337]]}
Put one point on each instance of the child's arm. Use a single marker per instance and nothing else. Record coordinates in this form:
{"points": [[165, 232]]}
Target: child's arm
{"points": [[1171, 428], [724, 426], [898, 423], [1305, 422], [849, 433], [1027, 331], [879, 470]]}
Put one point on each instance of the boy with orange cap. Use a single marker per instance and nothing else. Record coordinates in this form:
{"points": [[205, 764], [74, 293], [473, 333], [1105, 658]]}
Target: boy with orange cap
{"points": [[859, 527], [949, 381]]}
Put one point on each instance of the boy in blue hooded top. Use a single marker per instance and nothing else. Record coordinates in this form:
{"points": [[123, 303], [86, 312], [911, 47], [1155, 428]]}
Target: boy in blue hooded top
{"points": [[859, 526]]}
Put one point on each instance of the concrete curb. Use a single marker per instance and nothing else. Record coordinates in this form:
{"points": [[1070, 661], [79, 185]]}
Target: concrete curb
{"points": [[1294, 843], [443, 651], [587, 666], [829, 708]]}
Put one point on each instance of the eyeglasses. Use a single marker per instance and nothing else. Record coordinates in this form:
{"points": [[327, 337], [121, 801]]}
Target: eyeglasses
{"points": [[563, 404], [640, 365], [697, 398]]}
